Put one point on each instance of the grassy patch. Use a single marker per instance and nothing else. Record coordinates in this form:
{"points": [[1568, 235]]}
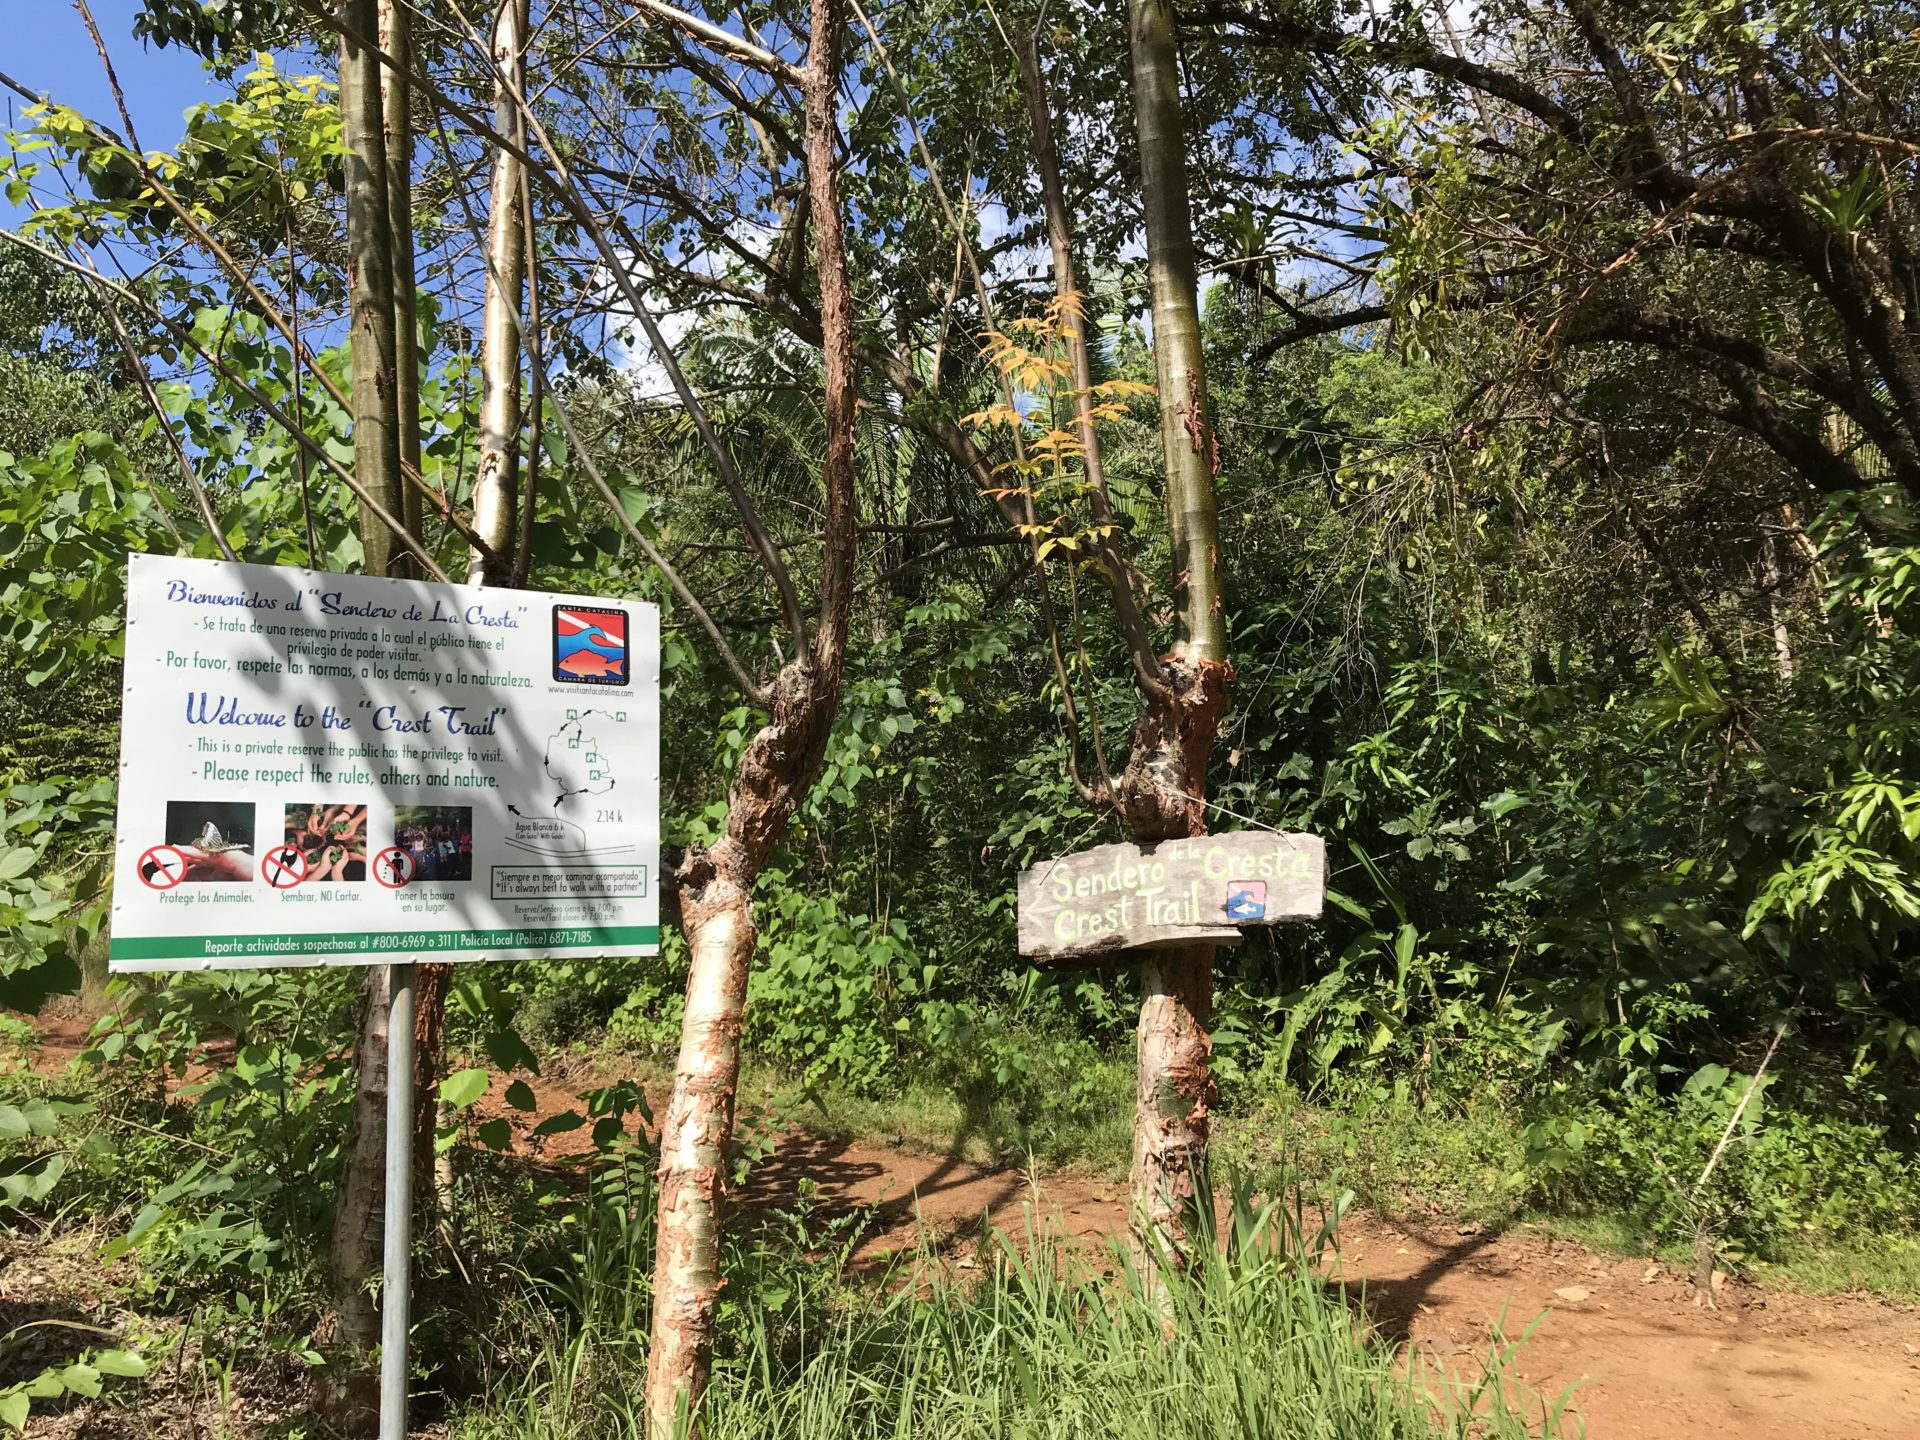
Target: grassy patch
{"points": [[1885, 1265], [1038, 1343], [1397, 1157]]}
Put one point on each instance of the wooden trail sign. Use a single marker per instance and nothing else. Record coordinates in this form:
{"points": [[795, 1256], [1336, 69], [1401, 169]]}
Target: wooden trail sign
{"points": [[1198, 891]]}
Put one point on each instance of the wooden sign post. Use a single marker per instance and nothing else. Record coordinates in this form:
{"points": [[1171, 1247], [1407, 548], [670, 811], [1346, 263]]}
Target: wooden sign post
{"points": [[1198, 891], [1135, 903]]}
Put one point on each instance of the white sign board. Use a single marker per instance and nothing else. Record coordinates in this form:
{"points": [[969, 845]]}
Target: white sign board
{"points": [[348, 770]]}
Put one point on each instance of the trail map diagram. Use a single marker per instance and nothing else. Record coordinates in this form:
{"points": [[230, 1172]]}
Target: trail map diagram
{"points": [[575, 762], [579, 767]]}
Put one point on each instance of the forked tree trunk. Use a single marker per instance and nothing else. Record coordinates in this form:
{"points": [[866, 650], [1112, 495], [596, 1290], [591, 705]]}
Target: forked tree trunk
{"points": [[715, 886], [1160, 793], [354, 1251]]}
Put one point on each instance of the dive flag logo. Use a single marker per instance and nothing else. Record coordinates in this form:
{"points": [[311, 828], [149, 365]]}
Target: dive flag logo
{"points": [[590, 645]]}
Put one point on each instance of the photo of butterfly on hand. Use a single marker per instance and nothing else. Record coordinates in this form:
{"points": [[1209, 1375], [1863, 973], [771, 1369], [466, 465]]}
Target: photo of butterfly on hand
{"points": [[214, 836], [330, 838]]}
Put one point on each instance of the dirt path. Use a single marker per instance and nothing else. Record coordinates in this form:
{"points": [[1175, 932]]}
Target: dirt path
{"points": [[1641, 1358]]}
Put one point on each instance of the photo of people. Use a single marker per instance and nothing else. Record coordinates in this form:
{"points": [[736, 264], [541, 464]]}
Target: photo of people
{"points": [[216, 836], [438, 837], [333, 839]]}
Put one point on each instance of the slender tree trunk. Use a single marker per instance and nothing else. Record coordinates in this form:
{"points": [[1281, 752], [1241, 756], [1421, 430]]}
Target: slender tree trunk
{"points": [[1187, 441], [378, 430], [1160, 795], [396, 111], [372, 295], [351, 1396], [496, 484], [1775, 579], [715, 887], [495, 492], [1066, 284]]}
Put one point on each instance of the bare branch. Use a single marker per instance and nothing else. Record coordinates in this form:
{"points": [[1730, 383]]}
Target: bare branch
{"points": [[714, 38]]}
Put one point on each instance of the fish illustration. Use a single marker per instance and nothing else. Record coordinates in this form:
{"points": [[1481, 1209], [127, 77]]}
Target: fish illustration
{"points": [[592, 663]]}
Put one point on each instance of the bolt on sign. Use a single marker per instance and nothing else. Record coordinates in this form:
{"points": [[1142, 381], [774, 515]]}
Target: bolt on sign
{"points": [[1197, 891], [350, 770]]}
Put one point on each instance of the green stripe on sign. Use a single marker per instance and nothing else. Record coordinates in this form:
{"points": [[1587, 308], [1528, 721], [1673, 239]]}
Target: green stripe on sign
{"points": [[376, 942]]}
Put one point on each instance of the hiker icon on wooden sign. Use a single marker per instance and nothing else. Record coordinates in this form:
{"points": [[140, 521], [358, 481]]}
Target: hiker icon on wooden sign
{"points": [[1246, 901]]}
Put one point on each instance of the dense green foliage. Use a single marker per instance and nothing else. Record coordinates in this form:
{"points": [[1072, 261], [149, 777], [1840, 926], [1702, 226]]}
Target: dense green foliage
{"points": [[1566, 474]]}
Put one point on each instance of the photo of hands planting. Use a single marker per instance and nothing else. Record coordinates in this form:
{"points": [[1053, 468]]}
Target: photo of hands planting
{"points": [[1287, 689]]}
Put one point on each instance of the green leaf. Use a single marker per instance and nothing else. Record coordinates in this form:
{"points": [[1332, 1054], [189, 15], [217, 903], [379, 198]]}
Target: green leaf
{"points": [[14, 1406], [495, 1134], [1403, 943], [36, 1117], [559, 1124], [31, 1185], [120, 1362], [1351, 906], [508, 1051], [463, 1087], [607, 1130], [520, 1096], [81, 1380], [17, 860], [1533, 876], [26, 988]]}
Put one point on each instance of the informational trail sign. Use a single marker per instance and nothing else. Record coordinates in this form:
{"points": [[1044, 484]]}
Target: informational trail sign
{"points": [[1197, 891], [348, 770]]}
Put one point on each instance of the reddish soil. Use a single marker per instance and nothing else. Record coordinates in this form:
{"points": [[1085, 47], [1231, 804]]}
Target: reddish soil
{"points": [[1625, 1337]]}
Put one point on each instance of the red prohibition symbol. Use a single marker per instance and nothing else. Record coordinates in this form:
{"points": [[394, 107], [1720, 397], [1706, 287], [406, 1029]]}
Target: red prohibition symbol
{"points": [[162, 867], [393, 867], [283, 867]]}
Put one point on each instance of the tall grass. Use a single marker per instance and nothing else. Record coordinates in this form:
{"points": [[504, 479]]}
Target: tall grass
{"points": [[1034, 1344]]}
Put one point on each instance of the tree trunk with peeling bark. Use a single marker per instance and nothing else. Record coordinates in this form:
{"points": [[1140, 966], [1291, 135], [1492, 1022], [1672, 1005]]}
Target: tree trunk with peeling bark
{"points": [[1160, 794], [714, 886]]}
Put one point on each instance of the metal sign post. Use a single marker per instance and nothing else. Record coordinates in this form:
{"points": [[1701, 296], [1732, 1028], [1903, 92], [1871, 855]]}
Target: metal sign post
{"points": [[396, 1285]]}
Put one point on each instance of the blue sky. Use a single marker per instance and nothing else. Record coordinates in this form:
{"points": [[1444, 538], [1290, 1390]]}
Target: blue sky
{"points": [[46, 48]]}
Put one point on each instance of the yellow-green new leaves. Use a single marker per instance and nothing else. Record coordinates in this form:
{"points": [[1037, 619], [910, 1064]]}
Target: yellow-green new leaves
{"points": [[1049, 466]]}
